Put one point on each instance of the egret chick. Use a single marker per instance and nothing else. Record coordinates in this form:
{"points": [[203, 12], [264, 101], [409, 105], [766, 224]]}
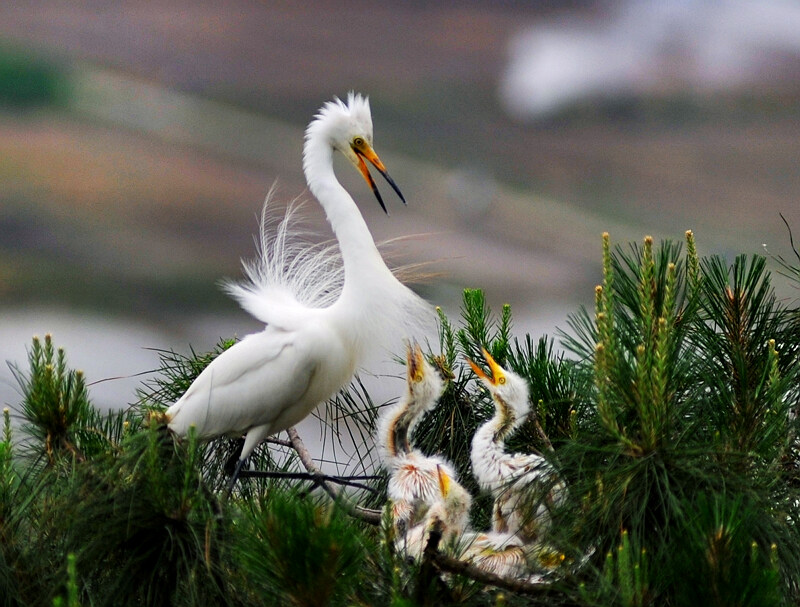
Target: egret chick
{"points": [[418, 484], [415, 479], [310, 347], [500, 553], [424, 386], [450, 509], [509, 476]]}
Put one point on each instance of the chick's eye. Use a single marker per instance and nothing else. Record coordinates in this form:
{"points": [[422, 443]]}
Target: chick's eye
{"points": [[501, 380]]}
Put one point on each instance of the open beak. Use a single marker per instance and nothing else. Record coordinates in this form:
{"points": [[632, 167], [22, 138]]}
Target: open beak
{"points": [[415, 362], [364, 151], [497, 371]]}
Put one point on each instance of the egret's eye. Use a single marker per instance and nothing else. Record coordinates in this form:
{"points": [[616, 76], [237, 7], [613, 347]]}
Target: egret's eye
{"points": [[501, 380], [358, 142]]}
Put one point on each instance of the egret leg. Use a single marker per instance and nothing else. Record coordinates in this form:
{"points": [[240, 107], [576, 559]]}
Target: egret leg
{"points": [[235, 456], [235, 474], [251, 440]]}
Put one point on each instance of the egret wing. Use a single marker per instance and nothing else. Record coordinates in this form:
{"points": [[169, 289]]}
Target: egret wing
{"points": [[247, 385]]}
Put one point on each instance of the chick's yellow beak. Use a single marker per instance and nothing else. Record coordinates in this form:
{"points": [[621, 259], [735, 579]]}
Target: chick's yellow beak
{"points": [[478, 371], [444, 481], [363, 151], [498, 376], [415, 360]]}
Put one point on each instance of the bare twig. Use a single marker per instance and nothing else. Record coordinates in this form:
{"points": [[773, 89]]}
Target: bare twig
{"points": [[279, 441], [366, 514], [317, 478], [544, 438], [428, 568], [791, 237]]}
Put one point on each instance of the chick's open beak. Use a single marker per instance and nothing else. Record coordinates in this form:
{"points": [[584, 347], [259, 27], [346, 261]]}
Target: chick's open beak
{"points": [[497, 371], [415, 360], [365, 151]]}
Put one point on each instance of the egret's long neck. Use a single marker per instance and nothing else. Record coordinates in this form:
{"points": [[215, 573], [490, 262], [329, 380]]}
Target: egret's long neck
{"points": [[488, 444], [363, 264], [503, 422], [395, 433]]}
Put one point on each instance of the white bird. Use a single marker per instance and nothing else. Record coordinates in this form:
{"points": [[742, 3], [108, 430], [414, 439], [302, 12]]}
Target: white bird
{"points": [[502, 554], [415, 479], [510, 477], [424, 386], [421, 488], [450, 509], [313, 341]]}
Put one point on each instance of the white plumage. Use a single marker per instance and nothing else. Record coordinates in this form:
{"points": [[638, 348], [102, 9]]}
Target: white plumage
{"points": [[450, 508], [502, 554], [422, 489], [510, 477], [322, 319]]}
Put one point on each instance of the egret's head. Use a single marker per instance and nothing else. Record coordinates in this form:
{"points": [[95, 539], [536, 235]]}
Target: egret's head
{"points": [[509, 390], [425, 385], [347, 127]]}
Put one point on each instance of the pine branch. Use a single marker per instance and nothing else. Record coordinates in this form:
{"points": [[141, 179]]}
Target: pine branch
{"points": [[366, 514], [450, 564], [540, 431], [317, 479]]}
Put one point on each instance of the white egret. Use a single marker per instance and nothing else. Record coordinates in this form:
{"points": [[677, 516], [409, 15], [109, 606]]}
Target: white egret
{"points": [[310, 347], [510, 476], [450, 509], [424, 386], [509, 556], [421, 488], [500, 553]]}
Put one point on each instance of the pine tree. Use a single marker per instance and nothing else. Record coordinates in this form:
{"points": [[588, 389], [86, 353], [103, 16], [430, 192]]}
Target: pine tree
{"points": [[671, 419]]}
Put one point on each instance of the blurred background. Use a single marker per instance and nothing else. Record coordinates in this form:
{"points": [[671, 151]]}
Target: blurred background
{"points": [[138, 141]]}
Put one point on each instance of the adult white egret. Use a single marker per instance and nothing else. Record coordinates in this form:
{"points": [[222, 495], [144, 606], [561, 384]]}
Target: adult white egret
{"points": [[310, 347], [510, 476]]}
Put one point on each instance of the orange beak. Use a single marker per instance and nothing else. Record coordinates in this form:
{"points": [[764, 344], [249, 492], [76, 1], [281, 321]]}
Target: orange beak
{"points": [[415, 360], [365, 151], [497, 371]]}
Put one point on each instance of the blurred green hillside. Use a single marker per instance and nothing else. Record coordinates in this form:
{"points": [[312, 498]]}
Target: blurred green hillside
{"points": [[136, 147]]}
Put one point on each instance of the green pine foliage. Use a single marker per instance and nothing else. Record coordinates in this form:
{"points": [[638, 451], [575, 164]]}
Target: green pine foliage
{"points": [[690, 398], [670, 417], [719, 561], [301, 552], [624, 579], [11, 537]]}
